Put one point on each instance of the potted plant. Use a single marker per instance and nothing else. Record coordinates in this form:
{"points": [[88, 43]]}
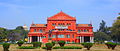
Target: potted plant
{"points": [[61, 43], [49, 46], [37, 44], [87, 45], [53, 43], [20, 43], [6, 46]]}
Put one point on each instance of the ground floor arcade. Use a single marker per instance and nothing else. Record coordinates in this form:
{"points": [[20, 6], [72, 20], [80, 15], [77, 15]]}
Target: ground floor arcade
{"points": [[79, 39]]}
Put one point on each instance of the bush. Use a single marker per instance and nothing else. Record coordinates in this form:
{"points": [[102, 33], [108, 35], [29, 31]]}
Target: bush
{"points": [[26, 47], [87, 45], [61, 43], [6, 46], [111, 45], [53, 43], [20, 43], [36, 44], [49, 46], [68, 47]]}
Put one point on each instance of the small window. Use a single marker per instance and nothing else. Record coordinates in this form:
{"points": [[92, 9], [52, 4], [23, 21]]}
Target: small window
{"points": [[73, 42], [79, 31], [41, 30], [60, 36], [34, 30], [73, 36], [85, 30], [53, 24], [44, 37], [68, 36], [53, 36]]}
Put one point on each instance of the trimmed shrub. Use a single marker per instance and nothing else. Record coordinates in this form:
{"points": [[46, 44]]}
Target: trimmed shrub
{"points": [[36, 44], [53, 43], [61, 43], [68, 47], [49, 46], [20, 43], [111, 45], [6, 46], [87, 45], [26, 47]]}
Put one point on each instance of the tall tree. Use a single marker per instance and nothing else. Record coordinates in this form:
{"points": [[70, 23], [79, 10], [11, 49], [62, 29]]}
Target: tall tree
{"points": [[103, 32], [116, 29], [3, 34], [102, 27]]}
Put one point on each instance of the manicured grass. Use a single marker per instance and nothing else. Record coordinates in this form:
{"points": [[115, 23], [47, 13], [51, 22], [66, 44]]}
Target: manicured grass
{"points": [[26, 47], [68, 47], [96, 47]]}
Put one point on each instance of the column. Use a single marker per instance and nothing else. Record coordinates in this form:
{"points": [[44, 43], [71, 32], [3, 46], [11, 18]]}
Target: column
{"points": [[28, 39], [80, 39], [83, 39], [90, 39], [38, 38]]}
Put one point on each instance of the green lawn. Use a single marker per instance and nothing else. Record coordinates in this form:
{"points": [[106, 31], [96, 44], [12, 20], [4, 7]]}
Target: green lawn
{"points": [[96, 47]]}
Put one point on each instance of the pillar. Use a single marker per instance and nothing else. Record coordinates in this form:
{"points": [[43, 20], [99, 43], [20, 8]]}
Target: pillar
{"points": [[38, 38], [92, 39], [28, 39], [80, 39], [83, 39]]}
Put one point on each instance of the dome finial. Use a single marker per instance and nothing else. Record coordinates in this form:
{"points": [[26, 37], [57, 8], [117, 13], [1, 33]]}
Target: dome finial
{"points": [[32, 22], [61, 11], [90, 22]]}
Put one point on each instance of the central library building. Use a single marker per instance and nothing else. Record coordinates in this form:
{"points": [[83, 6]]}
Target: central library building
{"points": [[59, 27]]}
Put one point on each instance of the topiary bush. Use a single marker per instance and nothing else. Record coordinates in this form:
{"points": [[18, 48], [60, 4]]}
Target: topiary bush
{"points": [[20, 43], [26, 47], [61, 43], [111, 45], [6, 46], [53, 43], [36, 44], [49, 46], [87, 45]]}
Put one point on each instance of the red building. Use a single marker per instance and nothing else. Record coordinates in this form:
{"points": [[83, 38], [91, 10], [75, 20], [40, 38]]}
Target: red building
{"points": [[61, 27]]}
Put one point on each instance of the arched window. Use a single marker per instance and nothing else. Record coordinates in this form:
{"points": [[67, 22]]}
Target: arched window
{"points": [[40, 30], [68, 36], [34, 30], [79, 31]]}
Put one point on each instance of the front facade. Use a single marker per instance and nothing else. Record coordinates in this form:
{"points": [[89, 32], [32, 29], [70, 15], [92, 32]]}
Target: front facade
{"points": [[61, 27]]}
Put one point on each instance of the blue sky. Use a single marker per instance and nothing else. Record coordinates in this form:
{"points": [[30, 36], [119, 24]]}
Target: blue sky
{"points": [[15, 13]]}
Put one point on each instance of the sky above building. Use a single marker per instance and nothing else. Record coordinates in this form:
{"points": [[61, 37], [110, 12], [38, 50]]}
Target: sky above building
{"points": [[15, 13]]}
